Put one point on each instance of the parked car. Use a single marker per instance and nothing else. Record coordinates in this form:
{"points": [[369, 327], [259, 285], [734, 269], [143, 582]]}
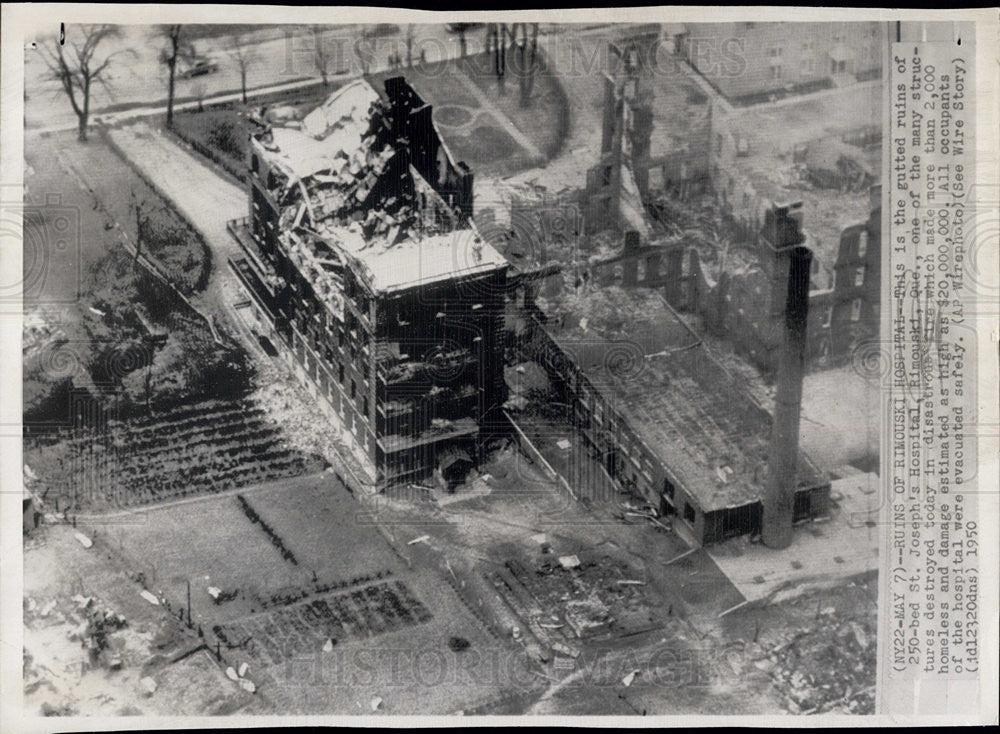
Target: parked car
{"points": [[199, 67]]}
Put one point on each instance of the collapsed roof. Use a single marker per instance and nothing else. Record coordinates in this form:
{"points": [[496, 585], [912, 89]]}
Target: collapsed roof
{"points": [[348, 192]]}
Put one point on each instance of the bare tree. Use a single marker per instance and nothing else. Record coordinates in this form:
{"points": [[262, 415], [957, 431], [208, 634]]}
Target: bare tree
{"points": [[244, 55], [364, 49], [142, 212], [169, 56], [320, 57], [496, 44], [77, 66], [409, 44], [527, 60]]}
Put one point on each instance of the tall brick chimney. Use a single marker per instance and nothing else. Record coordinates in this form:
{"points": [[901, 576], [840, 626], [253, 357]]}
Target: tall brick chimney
{"points": [[782, 232]]}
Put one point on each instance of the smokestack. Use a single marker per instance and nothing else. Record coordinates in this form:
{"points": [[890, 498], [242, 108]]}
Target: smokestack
{"points": [[782, 479]]}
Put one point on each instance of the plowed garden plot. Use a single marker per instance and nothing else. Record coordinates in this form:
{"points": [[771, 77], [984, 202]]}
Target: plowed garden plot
{"points": [[193, 449], [274, 637]]}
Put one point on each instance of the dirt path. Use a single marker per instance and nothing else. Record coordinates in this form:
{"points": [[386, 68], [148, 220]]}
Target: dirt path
{"points": [[505, 122]]}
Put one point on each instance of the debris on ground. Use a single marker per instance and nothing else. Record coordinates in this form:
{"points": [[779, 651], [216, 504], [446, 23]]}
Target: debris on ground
{"points": [[83, 540], [569, 561], [826, 663], [587, 617], [65, 709], [457, 644], [563, 600], [148, 685], [827, 668], [150, 597]]}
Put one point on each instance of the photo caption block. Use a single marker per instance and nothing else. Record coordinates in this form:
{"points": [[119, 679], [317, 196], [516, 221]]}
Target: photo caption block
{"points": [[931, 624]]}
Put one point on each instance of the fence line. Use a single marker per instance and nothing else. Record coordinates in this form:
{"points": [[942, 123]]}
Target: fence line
{"points": [[535, 454]]}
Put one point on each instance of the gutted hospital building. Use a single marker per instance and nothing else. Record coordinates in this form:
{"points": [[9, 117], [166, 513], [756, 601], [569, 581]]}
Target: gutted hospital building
{"points": [[360, 257]]}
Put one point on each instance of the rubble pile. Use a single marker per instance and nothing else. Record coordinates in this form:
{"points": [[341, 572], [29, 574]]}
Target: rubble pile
{"points": [[305, 427], [98, 624], [565, 600], [91, 624], [831, 163], [826, 666], [610, 313], [533, 226], [339, 178]]}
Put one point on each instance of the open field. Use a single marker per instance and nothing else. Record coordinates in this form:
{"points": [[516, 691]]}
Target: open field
{"points": [[374, 634], [412, 668], [96, 188], [346, 585], [212, 542]]}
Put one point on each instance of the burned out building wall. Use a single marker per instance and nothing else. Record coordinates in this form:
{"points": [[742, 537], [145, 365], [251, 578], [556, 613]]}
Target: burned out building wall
{"points": [[742, 304], [855, 304]]}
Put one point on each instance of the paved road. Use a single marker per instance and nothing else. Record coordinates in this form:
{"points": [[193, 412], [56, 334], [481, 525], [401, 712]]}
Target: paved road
{"points": [[136, 78]]}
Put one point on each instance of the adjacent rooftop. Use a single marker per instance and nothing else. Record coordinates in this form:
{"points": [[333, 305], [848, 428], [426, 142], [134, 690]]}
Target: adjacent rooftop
{"points": [[681, 403]]}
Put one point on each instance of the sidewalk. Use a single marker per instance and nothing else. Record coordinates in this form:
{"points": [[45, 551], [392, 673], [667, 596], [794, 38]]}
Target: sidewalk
{"points": [[112, 118]]}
